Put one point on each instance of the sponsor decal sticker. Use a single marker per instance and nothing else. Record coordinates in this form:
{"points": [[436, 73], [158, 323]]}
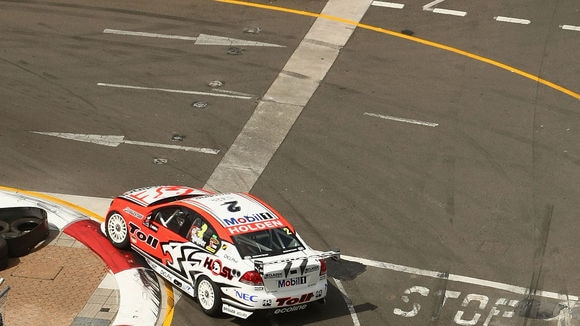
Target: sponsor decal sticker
{"points": [[292, 282], [289, 301]]}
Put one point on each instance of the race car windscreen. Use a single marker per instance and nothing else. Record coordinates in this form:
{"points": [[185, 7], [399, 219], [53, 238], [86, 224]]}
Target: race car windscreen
{"points": [[268, 242]]}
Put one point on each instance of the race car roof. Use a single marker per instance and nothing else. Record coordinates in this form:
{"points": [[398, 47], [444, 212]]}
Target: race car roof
{"points": [[239, 213], [147, 196]]}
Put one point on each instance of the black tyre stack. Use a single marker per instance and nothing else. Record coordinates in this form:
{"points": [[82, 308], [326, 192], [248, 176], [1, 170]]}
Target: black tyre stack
{"points": [[21, 229]]}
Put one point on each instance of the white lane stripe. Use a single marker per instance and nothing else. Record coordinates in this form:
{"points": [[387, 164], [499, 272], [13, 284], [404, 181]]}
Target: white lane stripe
{"points": [[348, 302], [450, 12], [430, 5], [388, 4], [244, 97], [412, 121], [145, 34], [283, 102], [459, 278], [512, 20], [570, 28]]}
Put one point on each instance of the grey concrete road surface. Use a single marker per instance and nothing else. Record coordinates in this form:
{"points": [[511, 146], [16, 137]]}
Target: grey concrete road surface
{"points": [[439, 152]]}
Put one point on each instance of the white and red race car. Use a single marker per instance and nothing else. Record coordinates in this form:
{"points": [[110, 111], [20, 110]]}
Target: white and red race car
{"points": [[232, 251]]}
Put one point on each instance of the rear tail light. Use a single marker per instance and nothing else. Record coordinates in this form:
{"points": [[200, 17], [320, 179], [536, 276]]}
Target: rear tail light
{"points": [[322, 267], [252, 278]]}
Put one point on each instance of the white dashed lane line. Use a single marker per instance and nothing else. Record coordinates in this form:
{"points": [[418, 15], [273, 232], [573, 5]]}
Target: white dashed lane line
{"points": [[512, 20], [431, 8], [570, 28], [385, 4], [405, 120]]}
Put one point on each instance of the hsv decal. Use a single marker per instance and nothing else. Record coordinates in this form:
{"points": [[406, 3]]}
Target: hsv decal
{"points": [[217, 268]]}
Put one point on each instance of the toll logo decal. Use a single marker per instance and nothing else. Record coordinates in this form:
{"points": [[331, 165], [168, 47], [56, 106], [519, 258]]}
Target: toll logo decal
{"points": [[289, 301], [142, 236]]}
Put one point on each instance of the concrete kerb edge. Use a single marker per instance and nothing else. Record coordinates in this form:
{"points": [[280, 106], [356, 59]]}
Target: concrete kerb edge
{"points": [[135, 284]]}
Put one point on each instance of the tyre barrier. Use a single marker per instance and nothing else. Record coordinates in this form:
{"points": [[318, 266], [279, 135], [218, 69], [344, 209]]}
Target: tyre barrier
{"points": [[21, 229]]}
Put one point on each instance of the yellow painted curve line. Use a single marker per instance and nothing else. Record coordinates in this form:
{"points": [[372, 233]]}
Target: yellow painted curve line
{"points": [[413, 39], [168, 288]]}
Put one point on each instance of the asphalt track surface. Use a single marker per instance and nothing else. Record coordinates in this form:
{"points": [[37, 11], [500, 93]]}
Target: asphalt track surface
{"points": [[450, 155]]}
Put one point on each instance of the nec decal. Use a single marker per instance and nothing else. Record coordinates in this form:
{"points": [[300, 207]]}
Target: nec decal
{"points": [[246, 297]]}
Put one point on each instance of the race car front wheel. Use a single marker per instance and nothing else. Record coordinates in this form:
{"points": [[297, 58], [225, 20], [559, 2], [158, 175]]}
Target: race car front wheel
{"points": [[208, 296], [116, 229]]}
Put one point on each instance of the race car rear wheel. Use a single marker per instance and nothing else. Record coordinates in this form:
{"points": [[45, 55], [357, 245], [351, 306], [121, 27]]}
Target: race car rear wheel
{"points": [[116, 229], [208, 295]]}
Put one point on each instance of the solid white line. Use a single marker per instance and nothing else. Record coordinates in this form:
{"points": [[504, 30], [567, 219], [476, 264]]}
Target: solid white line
{"points": [[512, 20], [145, 34], [412, 121], [459, 278], [429, 6], [244, 97], [388, 4], [449, 12], [570, 28], [182, 148], [348, 302], [283, 102]]}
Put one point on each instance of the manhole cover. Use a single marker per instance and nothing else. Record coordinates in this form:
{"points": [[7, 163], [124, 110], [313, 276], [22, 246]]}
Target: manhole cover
{"points": [[252, 30], [216, 84], [177, 137], [159, 161], [235, 50], [199, 105]]}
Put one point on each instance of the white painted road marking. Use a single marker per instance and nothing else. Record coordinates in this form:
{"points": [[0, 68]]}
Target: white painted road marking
{"points": [[430, 5], [458, 278], [512, 20], [412, 121], [222, 93], [114, 141], [570, 28], [202, 39], [279, 108], [348, 302], [394, 5], [449, 12]]}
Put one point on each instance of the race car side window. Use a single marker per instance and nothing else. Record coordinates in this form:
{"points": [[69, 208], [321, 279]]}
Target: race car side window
{"points": [[203, 235], [173, 218]]}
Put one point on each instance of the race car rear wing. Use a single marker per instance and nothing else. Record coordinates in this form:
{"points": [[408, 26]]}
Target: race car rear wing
{"points": [[332, 254]]}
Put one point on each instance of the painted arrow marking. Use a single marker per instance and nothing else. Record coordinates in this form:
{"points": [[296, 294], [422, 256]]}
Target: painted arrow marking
{"points": [[114, 141], [202, 39]]}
